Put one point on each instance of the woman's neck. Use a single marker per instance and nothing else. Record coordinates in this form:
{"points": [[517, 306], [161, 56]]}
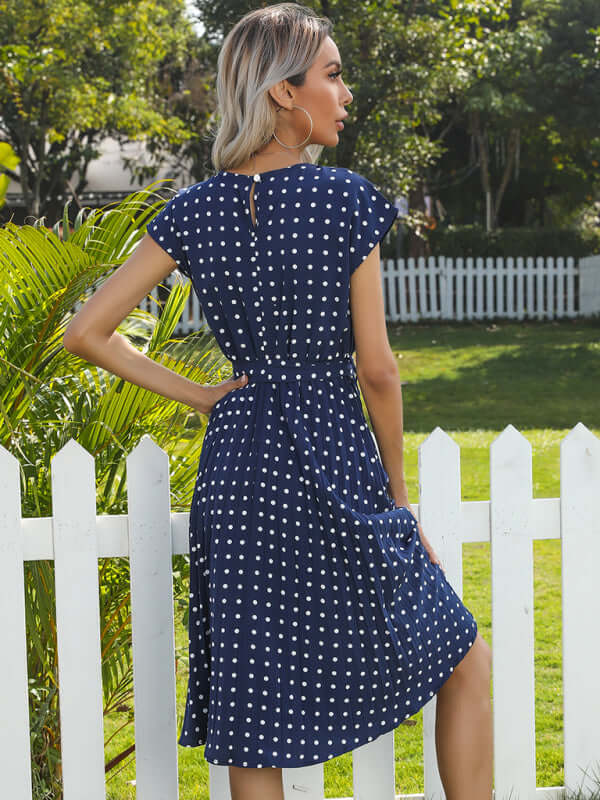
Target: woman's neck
{"points": [[265, 160]]}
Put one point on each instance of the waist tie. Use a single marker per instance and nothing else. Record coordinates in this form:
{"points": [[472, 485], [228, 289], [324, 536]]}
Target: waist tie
{"points": [[294, 370]]}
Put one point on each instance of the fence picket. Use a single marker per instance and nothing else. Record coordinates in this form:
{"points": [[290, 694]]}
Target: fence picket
{"points": [[14, 702], [479, 288], [459, 307], [571, 289], [389, 288], [78, 622], [580, 536], [152, 621], [589, 290], [403, 294], [373, 769], [551, 274], [414, 314], [521, 274], [471, 272], [303, 783], [436, 282], [439, 514], [530, 275], [422, 290], [512, 615], [511, 277], [498, 304], [561, 306], [541, 281], [487, 294]]}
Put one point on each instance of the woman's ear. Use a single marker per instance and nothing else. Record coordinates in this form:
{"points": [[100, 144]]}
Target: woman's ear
{"points": [[279, 94]]}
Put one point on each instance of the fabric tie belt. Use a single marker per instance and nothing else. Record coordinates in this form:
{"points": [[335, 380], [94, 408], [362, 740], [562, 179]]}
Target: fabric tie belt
{"points": [[293, 370]]}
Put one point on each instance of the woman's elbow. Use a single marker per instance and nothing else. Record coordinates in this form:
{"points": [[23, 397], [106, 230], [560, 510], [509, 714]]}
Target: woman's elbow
{"points": [[72, 340], [377, 373]]}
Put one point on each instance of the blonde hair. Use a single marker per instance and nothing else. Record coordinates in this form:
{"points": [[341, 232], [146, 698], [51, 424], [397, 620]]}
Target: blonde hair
{"points": [[265, 46]]}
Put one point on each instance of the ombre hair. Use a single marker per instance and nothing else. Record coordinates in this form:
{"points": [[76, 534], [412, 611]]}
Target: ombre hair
{"points": [[267, 45]]}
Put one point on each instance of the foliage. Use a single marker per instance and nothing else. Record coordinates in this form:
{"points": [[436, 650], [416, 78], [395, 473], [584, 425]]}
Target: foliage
{"points": [[73, 73], [487, 105], [49, 395], [189, 87], [8, 162], [402, 60], [528, 123], [474, 240], [468, 101]]}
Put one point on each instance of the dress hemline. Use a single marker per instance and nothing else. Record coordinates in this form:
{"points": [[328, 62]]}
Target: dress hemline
{"points": [[340, 749]]}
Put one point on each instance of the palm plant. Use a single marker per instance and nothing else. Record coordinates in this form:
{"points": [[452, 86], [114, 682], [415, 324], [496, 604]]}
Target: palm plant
{"points": [[49, 395]]}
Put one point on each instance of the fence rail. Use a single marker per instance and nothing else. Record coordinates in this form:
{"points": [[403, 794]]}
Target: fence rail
{"points": [[75, 537]]}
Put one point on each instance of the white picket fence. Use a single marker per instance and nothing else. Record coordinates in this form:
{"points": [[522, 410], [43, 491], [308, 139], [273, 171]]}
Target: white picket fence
{"points": [[478, 288], [471, 288], [150, 534]]}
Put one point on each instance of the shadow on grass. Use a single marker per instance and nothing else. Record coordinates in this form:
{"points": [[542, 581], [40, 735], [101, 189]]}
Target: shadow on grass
{"points": [[485, 376]]}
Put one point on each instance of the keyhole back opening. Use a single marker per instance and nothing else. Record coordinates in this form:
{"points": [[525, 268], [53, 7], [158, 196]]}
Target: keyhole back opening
{"points": [[252, 207]]}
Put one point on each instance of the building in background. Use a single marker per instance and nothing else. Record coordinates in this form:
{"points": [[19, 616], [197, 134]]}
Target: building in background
{"points": [[108, 180]]}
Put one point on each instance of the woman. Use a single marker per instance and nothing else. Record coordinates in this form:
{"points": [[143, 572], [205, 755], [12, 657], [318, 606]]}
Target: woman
{"points": [[318, 608]]}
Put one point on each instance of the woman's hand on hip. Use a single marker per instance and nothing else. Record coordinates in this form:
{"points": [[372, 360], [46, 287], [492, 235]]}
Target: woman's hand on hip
{"points": [[212, 394]]}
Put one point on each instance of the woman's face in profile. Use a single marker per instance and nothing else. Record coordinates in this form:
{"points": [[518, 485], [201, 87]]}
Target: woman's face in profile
{"points": [[324, 95]]}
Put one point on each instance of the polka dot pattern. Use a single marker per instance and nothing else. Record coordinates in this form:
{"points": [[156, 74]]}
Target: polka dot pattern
{"points": [[317, 621]]}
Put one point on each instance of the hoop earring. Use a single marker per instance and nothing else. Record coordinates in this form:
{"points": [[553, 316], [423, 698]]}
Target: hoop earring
{"points": [[293, 146]]}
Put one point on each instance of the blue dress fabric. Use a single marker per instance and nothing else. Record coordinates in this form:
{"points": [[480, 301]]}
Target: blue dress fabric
{"points": [[317, 620]]}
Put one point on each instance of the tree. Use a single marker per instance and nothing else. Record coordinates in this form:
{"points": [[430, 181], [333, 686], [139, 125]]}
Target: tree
{"points": [[73, 73], [527, 120], [189, 86]]}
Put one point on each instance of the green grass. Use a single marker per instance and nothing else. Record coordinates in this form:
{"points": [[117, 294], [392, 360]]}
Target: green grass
{"points": [[471, 379]]}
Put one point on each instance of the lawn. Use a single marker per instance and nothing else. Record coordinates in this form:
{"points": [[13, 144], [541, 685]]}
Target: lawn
{"points": [[471, 379]]}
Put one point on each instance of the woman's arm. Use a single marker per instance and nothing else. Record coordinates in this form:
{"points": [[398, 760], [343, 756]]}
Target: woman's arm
{"points": [[377, 370], [379, 380], [92, 335]]}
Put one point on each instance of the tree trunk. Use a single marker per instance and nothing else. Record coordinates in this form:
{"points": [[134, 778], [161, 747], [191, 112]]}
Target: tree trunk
{"points": [[508, 166], [482, 149], [416, 245]]}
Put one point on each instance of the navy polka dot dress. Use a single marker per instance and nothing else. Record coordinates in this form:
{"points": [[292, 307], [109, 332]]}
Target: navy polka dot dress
{"points": [[317, 620]]}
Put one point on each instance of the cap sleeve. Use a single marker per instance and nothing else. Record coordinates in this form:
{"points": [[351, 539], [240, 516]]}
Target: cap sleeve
{"points": [[371, 218], [165, 231]]}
